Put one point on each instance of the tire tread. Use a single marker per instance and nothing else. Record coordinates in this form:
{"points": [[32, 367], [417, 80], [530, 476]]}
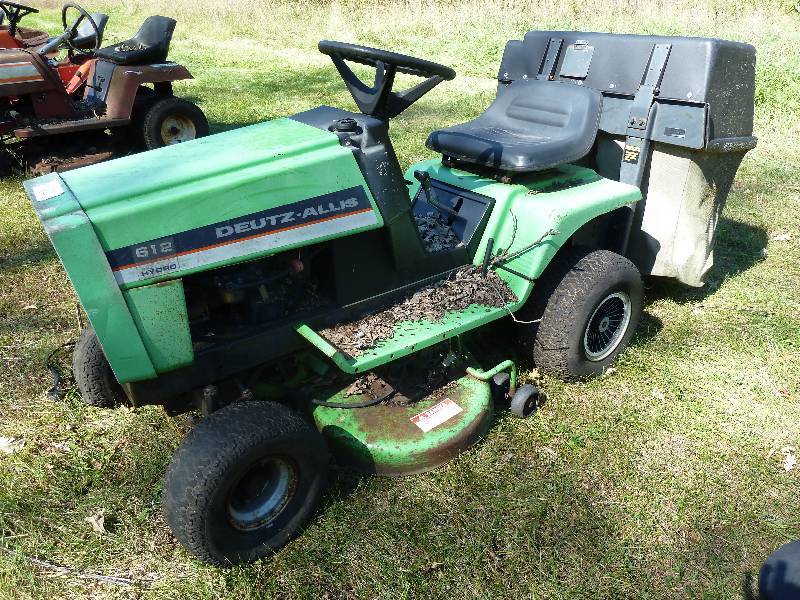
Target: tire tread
{"points": [[559, 296], [93, 375], [210, 450], [155, 112]]}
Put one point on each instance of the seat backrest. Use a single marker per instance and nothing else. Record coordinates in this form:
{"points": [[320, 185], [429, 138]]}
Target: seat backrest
{"points": [[549, 110], [85, 38], [532, 125], [156, 31]]}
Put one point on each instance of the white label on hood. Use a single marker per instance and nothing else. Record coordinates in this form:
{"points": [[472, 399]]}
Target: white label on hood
{"points": [[49, 189]]}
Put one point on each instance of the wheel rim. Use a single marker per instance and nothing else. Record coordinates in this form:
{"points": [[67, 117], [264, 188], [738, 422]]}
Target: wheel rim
{"points": [[261, 494], [607, 326], [177, 129], [530, 405]]}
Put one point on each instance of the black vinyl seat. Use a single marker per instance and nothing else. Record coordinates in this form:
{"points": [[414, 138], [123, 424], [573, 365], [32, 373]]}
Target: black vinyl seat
{"points": [[85, 39], [149, 45], [532, 125]]}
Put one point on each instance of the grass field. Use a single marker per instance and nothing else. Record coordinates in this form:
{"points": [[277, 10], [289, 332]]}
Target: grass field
{"points": [[665, 479]]}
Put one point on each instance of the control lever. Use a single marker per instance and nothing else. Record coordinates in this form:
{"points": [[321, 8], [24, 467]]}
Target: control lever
{"points": [[430, 195]]}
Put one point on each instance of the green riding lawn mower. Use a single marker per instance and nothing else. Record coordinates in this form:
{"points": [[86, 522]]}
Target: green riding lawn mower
{"points": [[292, 283]]}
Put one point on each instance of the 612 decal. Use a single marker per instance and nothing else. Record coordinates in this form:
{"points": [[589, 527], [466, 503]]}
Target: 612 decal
{"points": [[154, 249]]}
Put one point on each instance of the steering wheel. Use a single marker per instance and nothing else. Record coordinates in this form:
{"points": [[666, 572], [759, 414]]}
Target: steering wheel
{"points": [[379, 100], [15, 12], [72, 30]]}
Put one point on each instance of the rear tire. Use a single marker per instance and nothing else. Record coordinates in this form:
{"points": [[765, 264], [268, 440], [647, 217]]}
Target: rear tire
{"points": [[171, 121], [93, 374], [589, 303], [244, 482]]}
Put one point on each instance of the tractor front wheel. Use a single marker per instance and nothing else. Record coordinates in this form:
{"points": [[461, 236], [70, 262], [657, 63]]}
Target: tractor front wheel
{"points": [[93, 375], [171, 121], [244, 481], [587, 304]]}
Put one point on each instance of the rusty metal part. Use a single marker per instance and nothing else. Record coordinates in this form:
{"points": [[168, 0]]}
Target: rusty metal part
{"points": [[30, 38], [69, 126], [62, 153], [126, 81], [54, 164]]}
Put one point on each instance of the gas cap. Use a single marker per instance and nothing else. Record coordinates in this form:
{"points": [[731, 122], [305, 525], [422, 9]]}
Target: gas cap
{"points": [[346, 125]]}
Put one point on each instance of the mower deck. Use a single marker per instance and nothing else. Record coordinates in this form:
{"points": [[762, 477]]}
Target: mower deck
{"points": [[400, 436]]}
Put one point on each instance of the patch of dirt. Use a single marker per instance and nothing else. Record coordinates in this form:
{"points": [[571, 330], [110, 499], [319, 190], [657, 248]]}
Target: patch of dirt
{"points": [[362, 385], [461, 289], [436, 234]]}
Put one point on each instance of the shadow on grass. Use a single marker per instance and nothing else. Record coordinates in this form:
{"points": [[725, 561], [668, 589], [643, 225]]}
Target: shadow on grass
{"points": [[739, 246], [747, 586], [32, 255]]}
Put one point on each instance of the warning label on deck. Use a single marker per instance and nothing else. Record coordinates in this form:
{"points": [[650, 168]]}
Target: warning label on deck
{"points": [[436, 415]]}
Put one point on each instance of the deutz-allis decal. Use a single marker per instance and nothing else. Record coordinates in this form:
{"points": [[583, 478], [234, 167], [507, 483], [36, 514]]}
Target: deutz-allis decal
{"points": [[270, 229]]}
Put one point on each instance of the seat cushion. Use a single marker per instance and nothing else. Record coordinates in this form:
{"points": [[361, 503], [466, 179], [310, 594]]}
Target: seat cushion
{"points": [[149, 45], [532, 125], [132, 53]]}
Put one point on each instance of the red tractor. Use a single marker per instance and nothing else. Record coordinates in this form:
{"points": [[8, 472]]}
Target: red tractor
{"points": [[93, 103], [14, 36]]}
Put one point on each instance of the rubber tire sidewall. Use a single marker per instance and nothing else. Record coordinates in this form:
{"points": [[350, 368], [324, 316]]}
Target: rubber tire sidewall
{"points": [[211, 461], [159, 110], [581, 281], [520, 398], [93, 374]]}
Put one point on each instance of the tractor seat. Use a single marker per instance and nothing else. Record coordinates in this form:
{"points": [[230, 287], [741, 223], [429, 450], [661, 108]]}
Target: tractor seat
{"points": [[85, 37], [532, 125], [149, 45]]}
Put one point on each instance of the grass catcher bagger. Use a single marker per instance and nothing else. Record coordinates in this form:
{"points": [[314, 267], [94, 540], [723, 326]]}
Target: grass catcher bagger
{"points": [[291, 282], [57, 114]]}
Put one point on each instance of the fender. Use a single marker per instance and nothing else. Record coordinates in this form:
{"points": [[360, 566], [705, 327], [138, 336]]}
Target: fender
{"points": [[534, 216], [127, 79]]}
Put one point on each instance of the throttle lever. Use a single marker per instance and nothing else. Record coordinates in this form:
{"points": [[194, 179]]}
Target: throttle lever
{"points": [[430, 195]]}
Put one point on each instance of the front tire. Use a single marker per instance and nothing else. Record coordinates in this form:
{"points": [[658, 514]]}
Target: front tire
{"points": [[589, 303], [93, 375], [172, 121], [244, 482]]}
